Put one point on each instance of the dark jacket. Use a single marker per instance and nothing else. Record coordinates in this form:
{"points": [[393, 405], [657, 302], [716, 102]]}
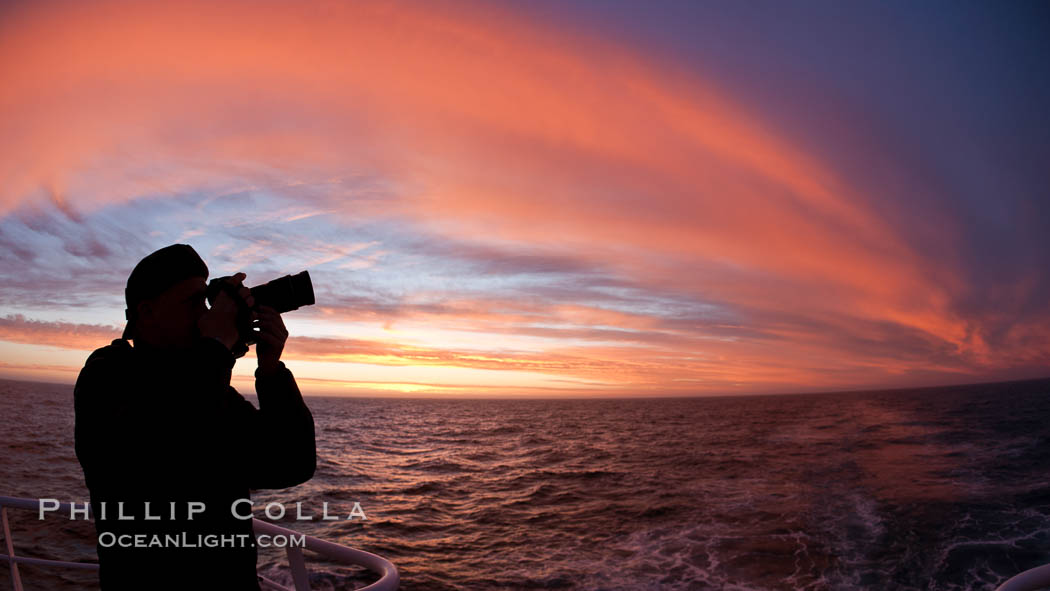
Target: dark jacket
{"points": [[168, 428]]}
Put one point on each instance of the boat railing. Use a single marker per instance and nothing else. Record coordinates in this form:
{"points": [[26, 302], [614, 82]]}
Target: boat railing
{"points": [[1030, 580], [388, 576]]}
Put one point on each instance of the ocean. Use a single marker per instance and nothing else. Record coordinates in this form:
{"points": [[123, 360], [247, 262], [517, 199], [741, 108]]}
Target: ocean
{"points": [[932, 489]]}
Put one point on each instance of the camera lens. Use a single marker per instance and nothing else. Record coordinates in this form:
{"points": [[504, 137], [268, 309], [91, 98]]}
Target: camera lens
{"points": [[285, 294]]}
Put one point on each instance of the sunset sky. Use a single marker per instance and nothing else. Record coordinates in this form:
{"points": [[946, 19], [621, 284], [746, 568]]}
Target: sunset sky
{"points": [[545, 198]]}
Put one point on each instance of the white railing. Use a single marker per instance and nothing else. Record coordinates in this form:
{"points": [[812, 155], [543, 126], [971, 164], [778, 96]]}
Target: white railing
{"points": [[388, 577], [1029, 580]]}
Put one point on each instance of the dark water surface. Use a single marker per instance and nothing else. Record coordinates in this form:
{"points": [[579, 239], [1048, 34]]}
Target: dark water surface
{"points": [[922, 489]]}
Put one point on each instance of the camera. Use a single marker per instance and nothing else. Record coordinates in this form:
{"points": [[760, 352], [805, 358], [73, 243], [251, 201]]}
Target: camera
{"points": [[283, 294]]}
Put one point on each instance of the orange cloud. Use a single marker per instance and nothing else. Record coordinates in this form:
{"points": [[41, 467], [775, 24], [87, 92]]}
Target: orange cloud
{"points": [[16, 328]]}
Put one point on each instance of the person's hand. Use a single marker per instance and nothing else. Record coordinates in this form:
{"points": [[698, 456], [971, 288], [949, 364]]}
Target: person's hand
{"points": [[270, 339], [220, 321]]}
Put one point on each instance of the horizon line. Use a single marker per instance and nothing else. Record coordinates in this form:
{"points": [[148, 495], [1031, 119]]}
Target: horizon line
{"points": [[623, 397]]}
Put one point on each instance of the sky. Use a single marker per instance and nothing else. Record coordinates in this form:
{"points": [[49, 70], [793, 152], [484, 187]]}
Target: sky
{"points": [[587, 198]]}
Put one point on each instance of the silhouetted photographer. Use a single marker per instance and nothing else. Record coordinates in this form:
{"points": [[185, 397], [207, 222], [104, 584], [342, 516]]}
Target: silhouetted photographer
{"points": [[168, 445]]}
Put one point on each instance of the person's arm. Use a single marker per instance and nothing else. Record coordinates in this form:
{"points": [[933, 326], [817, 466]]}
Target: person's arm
{"points": [[280, 433], [282, 429], [209, 367]]}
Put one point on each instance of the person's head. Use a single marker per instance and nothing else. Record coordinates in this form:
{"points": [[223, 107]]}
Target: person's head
{"points": [[165, 298]]}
